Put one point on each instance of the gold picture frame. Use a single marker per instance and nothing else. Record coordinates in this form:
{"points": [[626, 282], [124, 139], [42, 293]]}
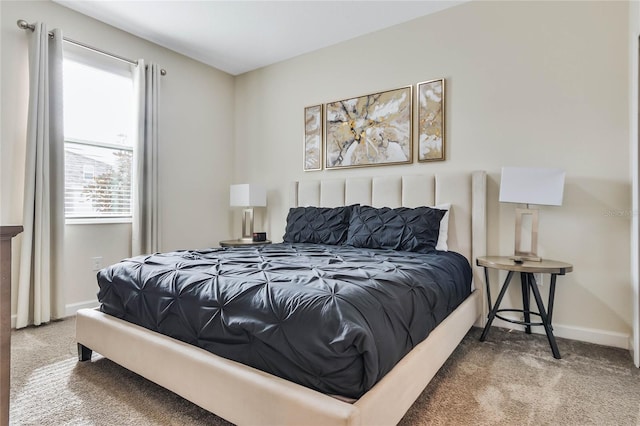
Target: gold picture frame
{"points": [[431, 130], [370, 130], [313, 138]]}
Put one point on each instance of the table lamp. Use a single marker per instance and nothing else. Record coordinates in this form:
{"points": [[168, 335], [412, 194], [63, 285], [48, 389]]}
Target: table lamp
{"points": [[529, 185], [248, 195]]}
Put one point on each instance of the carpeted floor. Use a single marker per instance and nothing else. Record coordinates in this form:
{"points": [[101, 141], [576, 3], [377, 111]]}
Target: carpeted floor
{"points": [[512, 379]]}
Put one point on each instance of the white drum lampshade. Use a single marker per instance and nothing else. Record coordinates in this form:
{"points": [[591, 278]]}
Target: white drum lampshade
{"points": [[247, 195]]}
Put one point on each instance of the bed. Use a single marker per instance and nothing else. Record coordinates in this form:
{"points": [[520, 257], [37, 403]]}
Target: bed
{"points": [[246, 395]]}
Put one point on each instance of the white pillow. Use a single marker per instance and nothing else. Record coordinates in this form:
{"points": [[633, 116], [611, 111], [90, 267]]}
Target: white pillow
{"points": [[444, 227]]}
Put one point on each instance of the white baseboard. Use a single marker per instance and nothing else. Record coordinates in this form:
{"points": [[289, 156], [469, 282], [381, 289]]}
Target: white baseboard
{"points": [[69, 310], [591, 335]]}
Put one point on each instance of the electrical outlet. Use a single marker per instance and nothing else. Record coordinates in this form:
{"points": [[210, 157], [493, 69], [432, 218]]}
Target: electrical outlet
{"points": [[96, 262], [539, 279]]}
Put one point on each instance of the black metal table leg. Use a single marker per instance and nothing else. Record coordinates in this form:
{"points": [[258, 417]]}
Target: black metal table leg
{"points": [[546, 323], [525, 281], [552, 292], [486, 283], [494, 311]]}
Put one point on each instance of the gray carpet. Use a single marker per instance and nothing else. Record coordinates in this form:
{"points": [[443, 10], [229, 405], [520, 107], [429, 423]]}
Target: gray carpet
{"points": [[511, 379]]}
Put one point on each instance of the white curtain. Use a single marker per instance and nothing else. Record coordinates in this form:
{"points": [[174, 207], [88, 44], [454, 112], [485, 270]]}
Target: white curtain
{"points": [[39, 294], [145, 227]]}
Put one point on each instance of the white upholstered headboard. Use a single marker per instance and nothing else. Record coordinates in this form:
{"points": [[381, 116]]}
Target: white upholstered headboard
{"points": [[466, 191]]}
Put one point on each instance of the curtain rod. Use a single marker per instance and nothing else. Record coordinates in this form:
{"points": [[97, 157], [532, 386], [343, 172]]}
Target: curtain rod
{"points": [[26, 26]]}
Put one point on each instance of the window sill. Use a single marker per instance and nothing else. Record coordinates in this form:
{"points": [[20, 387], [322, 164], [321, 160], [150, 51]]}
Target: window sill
{"points": [[96, 220]]}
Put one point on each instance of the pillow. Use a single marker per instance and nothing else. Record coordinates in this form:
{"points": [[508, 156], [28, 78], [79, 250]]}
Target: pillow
{"points": [[403, 228], [319, 225], [443, 234]]}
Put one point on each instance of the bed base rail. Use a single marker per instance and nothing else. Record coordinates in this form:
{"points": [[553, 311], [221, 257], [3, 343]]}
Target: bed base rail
{"points": [[244, 395]]}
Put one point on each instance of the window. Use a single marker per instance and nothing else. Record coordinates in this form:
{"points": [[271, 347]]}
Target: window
{"points": [[88, 172], [98, 140]]}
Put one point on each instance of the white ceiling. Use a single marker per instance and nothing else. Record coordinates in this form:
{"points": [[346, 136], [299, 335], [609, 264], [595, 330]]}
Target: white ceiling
{"points": [[240, 36]]}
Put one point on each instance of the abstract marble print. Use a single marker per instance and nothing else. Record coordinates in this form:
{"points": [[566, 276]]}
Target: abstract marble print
{"points": [[370, 130], [313, 138], [431, 120]]}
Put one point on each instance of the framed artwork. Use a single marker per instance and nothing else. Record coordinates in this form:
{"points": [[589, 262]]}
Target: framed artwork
{"points": [[313, 138], [369, 130], [431, 120]]}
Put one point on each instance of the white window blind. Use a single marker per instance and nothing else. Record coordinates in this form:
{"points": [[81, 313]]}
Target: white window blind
{"points": [[98, 121]]}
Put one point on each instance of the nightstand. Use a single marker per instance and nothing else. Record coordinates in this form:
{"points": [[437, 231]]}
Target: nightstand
{"points": [[527, 269], [243, 243]]}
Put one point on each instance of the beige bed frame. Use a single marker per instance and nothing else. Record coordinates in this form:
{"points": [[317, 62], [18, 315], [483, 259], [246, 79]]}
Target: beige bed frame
{"points": [[246, 396]]}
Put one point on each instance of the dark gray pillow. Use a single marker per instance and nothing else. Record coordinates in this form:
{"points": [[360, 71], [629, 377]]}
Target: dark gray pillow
{"points": [[403, 228], [319, 225]]}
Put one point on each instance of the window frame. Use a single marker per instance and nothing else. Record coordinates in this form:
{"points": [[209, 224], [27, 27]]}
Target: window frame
{"points": [[100, 62]]}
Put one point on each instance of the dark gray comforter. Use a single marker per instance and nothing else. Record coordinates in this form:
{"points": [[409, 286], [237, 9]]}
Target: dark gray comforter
{"points": [[332, 318]]}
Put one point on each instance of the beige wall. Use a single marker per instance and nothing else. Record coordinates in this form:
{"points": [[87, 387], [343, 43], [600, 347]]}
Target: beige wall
{"points": [[196, 153], [528, 84]]}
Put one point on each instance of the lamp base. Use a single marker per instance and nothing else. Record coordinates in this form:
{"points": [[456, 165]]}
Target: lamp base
{"points": [[521, 254], [247, 225]]}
